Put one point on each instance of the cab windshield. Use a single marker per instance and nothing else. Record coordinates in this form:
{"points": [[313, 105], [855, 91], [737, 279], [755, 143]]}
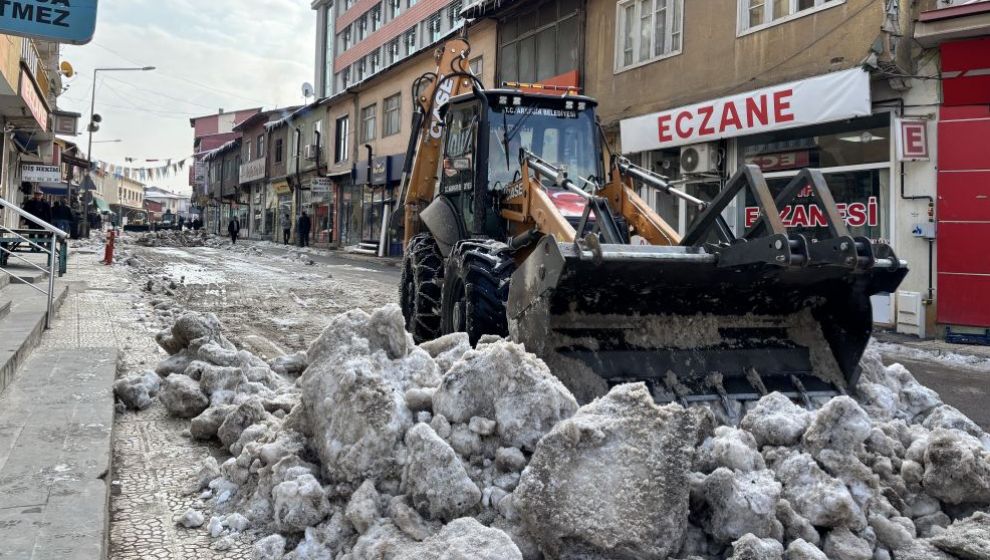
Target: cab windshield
{"points": [[564, 138]]}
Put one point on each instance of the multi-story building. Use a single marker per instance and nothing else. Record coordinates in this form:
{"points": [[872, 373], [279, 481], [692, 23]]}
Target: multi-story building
{"points": [[357, 39], [170, 203], [222, 190], [119, 196], [211, 132], [253, 174], [29, 85]]}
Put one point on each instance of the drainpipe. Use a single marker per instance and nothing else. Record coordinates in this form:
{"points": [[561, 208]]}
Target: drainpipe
{"points": [[296, 190], [931, 207]]}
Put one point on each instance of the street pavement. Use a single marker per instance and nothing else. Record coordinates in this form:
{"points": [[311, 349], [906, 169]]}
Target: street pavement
{"points": [[268, 301]]}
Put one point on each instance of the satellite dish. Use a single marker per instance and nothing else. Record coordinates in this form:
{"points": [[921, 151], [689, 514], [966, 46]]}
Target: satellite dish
{"points": [[307, 90], [67, 70]]}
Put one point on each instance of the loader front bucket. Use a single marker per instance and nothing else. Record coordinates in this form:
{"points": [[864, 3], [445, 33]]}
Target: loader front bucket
{"points": [[693, 329]]}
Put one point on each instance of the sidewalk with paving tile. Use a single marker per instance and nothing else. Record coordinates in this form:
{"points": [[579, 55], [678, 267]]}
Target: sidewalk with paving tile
{"points": [[56, 423]]}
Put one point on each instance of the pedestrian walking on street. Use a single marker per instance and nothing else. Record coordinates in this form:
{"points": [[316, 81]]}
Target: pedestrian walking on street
{"points": [[39, 208], [62, 216], [286, 229], [304, 227], [234, 228]]}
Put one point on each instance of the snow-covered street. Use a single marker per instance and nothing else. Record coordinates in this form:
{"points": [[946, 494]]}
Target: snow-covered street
{"points": [[179, 493]]}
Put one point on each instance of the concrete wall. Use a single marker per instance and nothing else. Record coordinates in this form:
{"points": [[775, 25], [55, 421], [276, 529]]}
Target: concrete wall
{"points": [[714, 62]]}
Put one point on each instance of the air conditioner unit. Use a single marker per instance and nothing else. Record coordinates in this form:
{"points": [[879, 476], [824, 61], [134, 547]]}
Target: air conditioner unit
{"points": [[699, 158], [311, 152]]}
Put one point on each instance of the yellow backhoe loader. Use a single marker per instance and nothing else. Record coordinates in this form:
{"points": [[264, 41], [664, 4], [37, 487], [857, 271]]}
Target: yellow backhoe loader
{"points": [[517, 222]]}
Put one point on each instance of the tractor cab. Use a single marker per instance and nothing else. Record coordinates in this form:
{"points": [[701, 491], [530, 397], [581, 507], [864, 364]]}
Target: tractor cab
{"points": [[484, 135]]}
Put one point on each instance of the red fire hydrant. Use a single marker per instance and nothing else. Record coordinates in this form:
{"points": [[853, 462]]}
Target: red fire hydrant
{"points": [[108, 251]]}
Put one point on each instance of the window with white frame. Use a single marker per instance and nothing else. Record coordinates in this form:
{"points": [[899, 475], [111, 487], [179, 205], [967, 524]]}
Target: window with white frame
{"points": [[433, 27], [374, 62], [648, 30], [341, 140], [345, 39], [760, 13], [376, 18], [410, 41], [394, 8], [454, 19], [391, 115], [368, 117], [477, 66], [392, 52], [362, 27]]}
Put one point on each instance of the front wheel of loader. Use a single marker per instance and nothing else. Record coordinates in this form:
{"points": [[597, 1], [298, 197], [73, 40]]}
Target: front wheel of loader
{"points": [[419, 290], [476, 288]]}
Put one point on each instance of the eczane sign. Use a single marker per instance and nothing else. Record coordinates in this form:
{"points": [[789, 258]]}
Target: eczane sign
{"points": [[829, 97], [63, 21]]}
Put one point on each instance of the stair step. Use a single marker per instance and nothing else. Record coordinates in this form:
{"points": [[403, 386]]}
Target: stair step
{"points": [[20, 330], [4, 307]]}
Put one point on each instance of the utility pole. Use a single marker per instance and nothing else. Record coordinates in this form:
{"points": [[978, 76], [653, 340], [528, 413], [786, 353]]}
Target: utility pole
{"points": [[94, 125]]}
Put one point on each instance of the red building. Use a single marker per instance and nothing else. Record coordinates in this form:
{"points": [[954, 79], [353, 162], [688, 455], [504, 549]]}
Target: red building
{"points": [[962, 35]]}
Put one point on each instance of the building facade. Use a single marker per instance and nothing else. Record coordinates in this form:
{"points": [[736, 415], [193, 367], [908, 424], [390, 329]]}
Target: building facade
{"points": [[357, 39], [29, 86], [211, 132], [253, 174], [222, 187]]}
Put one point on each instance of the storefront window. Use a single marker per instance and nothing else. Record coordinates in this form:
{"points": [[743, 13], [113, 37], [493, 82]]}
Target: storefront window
{"points": [[854, 155]]}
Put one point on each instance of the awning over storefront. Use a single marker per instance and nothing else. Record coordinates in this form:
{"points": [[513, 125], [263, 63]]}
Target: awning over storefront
{"points": [[281, 187], [56, 189], [101, 205]]}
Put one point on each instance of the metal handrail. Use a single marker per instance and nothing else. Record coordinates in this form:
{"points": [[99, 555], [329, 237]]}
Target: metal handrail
{"points": [[56, 234], [25, 261]]}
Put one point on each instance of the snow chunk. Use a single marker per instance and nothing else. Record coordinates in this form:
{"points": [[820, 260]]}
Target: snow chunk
{"points": [[840, 425], [363, 509], [816, 496], [192, 519], [775, 420], [271, 547], [730, 448], [613, 479], [205, 426], [741, 503], [465, 539], [750, 547], [967, 538], [293, 364], [957, 468], [299, 503], [182, 396], [803, 550], [503, 382], [842, 544], [949, 418], [435, 478]]}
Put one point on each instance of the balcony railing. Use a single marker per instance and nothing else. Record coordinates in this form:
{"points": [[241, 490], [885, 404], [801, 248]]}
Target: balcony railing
{"points": [[33, 60]]}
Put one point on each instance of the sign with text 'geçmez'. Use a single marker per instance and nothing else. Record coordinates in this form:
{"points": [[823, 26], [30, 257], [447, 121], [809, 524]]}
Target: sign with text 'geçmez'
{"points": [[63, 21]]}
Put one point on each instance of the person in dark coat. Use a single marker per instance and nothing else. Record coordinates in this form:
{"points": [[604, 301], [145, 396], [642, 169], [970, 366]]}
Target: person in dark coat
{"points": [[39, 208], [286, 229], [62, 216], [234, 228], [304, 226]]}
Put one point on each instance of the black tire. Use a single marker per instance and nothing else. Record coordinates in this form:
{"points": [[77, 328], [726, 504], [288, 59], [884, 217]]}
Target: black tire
{"points": [[476, 289], [419, 290]]}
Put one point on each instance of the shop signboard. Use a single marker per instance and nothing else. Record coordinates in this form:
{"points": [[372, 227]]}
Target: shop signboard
{"points": [[40, 173], [320, 185], [912, 140], [61, 21], [33, 100], [825, 98], [379, 170]]}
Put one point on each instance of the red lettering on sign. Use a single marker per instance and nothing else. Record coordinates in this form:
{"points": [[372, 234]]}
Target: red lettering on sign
{"points": [[729, 117], [756, 114], [707, 111], [817, 216], [855, 214], [752, 214], [663, 123], [683, 132], [782, 106]]}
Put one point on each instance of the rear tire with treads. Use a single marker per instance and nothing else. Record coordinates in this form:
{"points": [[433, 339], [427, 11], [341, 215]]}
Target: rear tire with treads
{"points": [[420, 287], [476, 289]]}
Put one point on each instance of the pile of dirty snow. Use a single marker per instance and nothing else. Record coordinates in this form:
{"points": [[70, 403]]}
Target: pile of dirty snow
{"points": [[369, 446], [176, 238]]}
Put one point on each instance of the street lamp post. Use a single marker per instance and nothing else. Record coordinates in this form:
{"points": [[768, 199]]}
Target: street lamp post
{"points": [[92, 128]]}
